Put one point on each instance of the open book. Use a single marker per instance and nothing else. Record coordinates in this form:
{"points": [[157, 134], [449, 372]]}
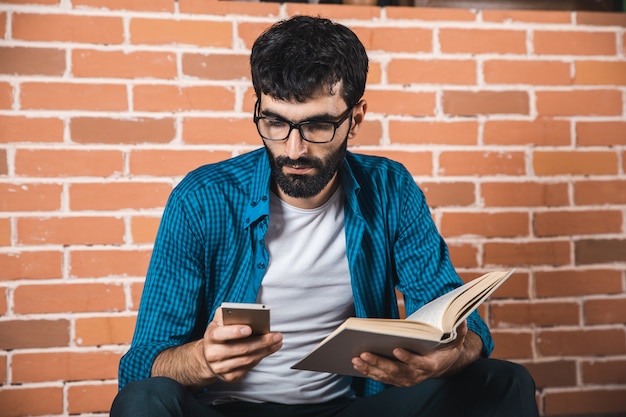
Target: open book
{"points": [[424, 330]]}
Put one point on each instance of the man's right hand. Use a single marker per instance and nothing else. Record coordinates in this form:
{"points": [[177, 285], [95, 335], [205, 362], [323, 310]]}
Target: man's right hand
{"points": [[225, 352]]}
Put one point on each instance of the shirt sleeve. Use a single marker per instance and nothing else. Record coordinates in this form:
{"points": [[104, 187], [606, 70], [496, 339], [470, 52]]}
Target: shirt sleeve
{"points": [[422, 260], [169, 314]]}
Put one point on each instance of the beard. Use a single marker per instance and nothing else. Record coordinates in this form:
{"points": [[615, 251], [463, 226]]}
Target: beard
{"points": [[306, 186]]}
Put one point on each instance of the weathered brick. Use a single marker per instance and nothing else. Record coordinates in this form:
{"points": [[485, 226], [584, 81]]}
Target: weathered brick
{"points": [[524, 194], [31, 401], [32, 61], [64, 366], [591, 251], [470, 103], [66, 298], [581, 342], [402, 132], [577, 282], [110, 330], [507, 224], [605, 311], [33, 333], [585, 222], [553, 373]]}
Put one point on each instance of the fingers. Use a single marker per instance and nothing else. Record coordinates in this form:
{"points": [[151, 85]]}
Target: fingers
{"points": [[230, 352]]}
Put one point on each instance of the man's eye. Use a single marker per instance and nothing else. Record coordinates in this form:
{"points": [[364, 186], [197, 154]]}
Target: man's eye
{"points": [[273, 123], [319, 127]]}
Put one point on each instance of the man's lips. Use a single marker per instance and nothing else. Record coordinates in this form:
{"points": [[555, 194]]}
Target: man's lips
{"points": [[297, 169]]}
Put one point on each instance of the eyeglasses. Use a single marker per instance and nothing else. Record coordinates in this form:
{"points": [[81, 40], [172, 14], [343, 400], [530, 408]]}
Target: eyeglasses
{"points": [[315, 131]]}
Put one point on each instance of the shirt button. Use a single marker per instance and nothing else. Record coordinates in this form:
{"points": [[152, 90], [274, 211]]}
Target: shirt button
{"points": [[264, 198], [261, 265], [247, 220], [253, 204]]}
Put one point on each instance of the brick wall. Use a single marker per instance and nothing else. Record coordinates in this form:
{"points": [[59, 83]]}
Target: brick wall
{"points": [[514, 124]]}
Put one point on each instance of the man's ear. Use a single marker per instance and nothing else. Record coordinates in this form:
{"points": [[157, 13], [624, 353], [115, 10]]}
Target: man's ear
{"points": [[358, 115]]}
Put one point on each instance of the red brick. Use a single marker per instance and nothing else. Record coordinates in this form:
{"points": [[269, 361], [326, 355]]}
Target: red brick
{"points": [[419, 132], [136, 5], [527, 253], [594, 401], [575, 163], [535, 314], [526, 16], [595, 251], [70, 230], [217, 66], [488, 225], [540, 132], [517, 286], [33, 333], [68, 28], [604, 371], [334, 11], [512, 345], [30, 197], [17, 129], [600, 73], [574, 43], [54, 163], [579, 103], [481, 163], [113, 131], [136, 290], [173, 98], [170, 163], [109, 263], [456, 193], [91, 398], [4, 167], [154, 31], [600, 18], [249, 31], [31, 401], [3, 369], [600, 133], [588, 222], [5, 232], [226, 8], [144, 229], [481, 41], [470, 103], [577, 283], [68, 298], [64, 366], [524, 194], [581, 342], [32, 61], [592, 192], [463, 255], [120, 64], [6, 96], [431, 14], [527, 72], [395, 39], [401, 102], [201, 130], [605, 311], [73, 96], [31, 265], [553, 373], [111, 330], [418, 163], [431, 71], [118, 195]]}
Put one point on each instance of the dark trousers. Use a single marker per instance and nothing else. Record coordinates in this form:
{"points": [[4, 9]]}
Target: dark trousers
{"points": [[488, 387]]}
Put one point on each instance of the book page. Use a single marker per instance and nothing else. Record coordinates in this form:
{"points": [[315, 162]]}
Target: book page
{"points": [[433, 312]]}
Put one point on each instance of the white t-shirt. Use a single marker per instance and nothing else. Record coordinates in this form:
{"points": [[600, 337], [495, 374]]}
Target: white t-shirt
{"points": [[307, 286]]}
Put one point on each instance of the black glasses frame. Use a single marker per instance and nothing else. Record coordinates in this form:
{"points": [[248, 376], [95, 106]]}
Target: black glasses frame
{"points": [[292, 126]]}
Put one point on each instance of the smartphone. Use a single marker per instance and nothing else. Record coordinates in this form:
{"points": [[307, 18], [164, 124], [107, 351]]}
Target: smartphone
{"points": [[257, 316]]}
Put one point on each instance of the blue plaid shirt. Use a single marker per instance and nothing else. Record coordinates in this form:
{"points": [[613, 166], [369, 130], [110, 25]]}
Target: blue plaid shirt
{"points": [[210, 248]]}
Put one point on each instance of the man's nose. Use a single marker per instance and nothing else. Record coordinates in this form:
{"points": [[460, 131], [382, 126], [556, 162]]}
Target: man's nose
{"points": [[295, 146]]}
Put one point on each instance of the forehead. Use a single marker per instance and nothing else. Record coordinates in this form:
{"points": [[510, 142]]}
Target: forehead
{"points": [[320, 105]]}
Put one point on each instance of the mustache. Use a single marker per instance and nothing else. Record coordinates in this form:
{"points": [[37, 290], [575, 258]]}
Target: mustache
{"points": [[282, 161]]}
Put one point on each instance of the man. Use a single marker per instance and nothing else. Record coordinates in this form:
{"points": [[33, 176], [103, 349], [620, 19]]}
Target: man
{"points": [[317, 233]]}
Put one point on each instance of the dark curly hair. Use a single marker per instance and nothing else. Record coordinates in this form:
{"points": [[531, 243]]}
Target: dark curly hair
{"points": [[299, 57]]}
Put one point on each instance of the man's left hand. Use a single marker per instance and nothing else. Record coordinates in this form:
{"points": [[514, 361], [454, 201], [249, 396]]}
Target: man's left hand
{"points": [[409, 368]]}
